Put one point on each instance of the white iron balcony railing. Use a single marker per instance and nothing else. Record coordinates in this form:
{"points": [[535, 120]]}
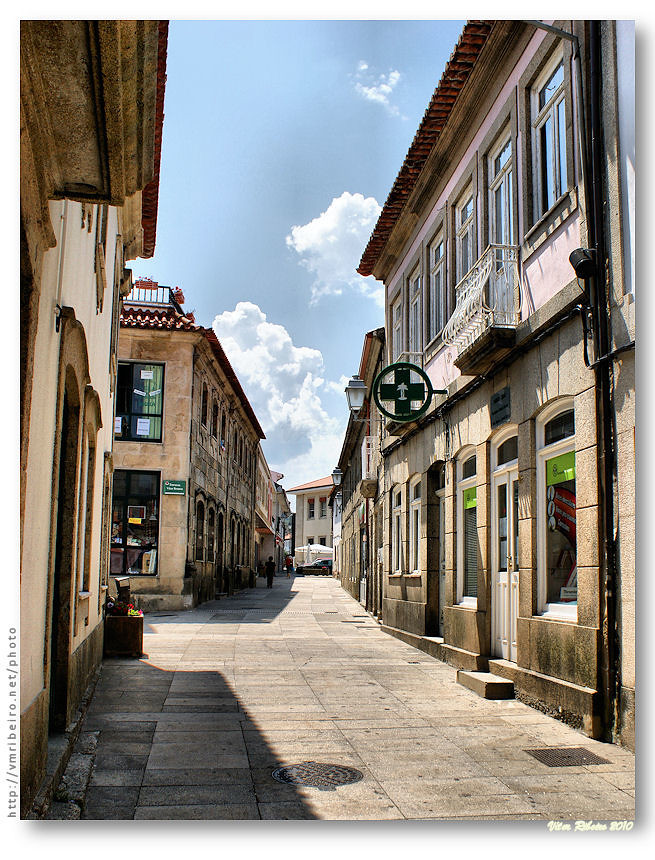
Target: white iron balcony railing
{"points": [[370, 449], [488, 295]]}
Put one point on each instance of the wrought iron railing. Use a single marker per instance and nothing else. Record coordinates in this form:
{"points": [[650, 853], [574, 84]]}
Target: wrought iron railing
{"points": [[488, 295]]}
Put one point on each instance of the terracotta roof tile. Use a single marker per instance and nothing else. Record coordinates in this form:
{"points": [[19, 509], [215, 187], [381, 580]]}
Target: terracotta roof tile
{"points": [[452, 81], [320, 482]]}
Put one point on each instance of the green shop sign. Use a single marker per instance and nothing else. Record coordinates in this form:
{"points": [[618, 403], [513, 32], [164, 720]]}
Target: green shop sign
{"points": [[470, 498], [174, 488], [405, 398], [560, 469]]}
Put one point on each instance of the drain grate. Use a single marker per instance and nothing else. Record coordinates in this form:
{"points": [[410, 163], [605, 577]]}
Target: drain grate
{"points": [[566, 756], [317, 775]]}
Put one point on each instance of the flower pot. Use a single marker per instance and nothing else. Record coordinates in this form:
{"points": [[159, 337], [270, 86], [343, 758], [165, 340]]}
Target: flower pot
{"points": [[123, 636]]}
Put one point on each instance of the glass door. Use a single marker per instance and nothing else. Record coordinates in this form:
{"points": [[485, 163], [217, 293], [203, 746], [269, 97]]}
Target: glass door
{"points": [[505, 513]]}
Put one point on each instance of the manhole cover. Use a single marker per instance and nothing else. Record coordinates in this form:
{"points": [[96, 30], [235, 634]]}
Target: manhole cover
{"points": [[317, 775], [566, 756]]}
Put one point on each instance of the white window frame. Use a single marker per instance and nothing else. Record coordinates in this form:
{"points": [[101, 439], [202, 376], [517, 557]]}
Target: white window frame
{"points": [[396, 530], [415, 526], [497, 179], [462, 485], [540, 117], [559, 611], [437, 287], [397, 339], [322, 508], [464, 230], [311, 509], [415, 343]]}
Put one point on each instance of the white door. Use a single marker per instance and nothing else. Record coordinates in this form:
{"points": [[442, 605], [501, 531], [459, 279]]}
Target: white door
{"points": [[505, 572]]}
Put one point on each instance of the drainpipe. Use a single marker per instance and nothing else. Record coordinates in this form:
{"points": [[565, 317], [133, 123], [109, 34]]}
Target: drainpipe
{"points": [[590, 138], [603, 371]]}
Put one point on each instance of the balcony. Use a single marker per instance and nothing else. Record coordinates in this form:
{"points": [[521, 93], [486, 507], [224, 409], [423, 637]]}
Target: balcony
{"points": [[370, 454], [487, 310]]}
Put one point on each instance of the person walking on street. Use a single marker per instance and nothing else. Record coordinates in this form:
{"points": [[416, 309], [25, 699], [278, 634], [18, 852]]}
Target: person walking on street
{"points": [[270, 572], [288, 563]]}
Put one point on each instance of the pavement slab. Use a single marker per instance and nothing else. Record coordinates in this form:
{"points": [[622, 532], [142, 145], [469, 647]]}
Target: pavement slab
{"points": [[231, 691]]}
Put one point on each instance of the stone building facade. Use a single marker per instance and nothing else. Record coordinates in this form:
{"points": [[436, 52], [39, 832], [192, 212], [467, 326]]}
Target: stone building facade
{"points": [[88, 195], [185, 456], [361, 527], [505, 255]]}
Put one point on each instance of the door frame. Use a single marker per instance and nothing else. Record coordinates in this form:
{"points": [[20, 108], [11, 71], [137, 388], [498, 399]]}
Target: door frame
{"points": [[506, 473]]}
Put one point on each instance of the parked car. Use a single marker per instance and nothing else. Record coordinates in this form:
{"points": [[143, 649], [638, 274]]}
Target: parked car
{"points": [[320, 567]]}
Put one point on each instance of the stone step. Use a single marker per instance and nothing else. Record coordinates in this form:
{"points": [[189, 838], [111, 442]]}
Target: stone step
{"points": [[486, 685]]}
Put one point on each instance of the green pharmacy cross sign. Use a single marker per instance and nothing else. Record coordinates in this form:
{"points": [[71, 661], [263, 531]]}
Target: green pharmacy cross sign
{"points": [[402, 392]]}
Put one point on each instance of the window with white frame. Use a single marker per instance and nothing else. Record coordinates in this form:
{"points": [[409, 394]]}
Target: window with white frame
{"points": [[549, 136], [467, 529], [310, 509], [396, 533], [397, 329], [556, 512], [464, 234], [415, 314], [437, 288], [501, 218], [323, 508], [415, 527]]}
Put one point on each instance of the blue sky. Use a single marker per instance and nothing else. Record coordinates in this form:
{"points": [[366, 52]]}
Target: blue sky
{"points": [[281, 142]]}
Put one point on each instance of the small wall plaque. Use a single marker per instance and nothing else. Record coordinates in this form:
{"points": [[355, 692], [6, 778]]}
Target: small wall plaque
{"points": [[174, 488]]}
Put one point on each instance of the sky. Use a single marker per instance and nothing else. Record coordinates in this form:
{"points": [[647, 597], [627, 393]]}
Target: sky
{"points": [[281, 142]]}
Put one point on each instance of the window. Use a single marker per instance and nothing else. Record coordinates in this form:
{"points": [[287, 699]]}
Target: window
{"points": [[415, 527], [214, 419], [310, 509], [556, 512], [211, 534], [135, 523], [200, 531], [501, 217], [310, 540], [323, 507], [223, 432], [397, 329], [464, 235], [203, 408], [549, 137], [139, 402], [396, 533], [467, 529], [322, 541], [437, 290], [415, 315]]}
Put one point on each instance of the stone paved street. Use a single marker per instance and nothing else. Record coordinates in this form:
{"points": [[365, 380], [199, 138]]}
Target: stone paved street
{"points": [[239, 687]]}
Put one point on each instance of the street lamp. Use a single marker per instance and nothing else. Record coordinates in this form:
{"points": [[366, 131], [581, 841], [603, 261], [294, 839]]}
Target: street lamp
{"points": [[336, 476], [355, 394]]}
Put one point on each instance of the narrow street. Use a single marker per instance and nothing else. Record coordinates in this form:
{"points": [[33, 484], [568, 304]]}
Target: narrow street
{"points": [[237, 688]]}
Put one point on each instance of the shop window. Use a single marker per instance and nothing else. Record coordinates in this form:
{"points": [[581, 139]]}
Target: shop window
{"points": [[549, 136], [556, 512], [200, 531], [415, 527], [139, 402], [135, 523], [467, 530], [396, 533]]}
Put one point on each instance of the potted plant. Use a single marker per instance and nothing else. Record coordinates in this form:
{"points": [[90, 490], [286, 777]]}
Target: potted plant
{"points": [[123, 630]]}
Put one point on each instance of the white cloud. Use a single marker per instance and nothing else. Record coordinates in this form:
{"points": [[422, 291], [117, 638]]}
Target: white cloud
{"points": [[283, 383], [331, 246], [377, 89]]}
